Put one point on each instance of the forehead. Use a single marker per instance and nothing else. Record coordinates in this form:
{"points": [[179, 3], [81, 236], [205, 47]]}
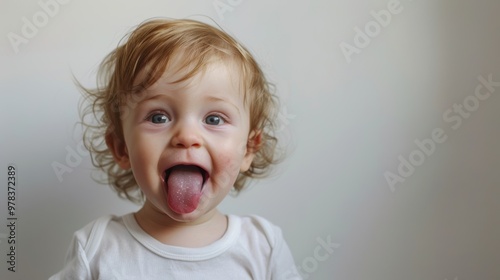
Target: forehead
{"points": [[182, 76], [219, 77]]}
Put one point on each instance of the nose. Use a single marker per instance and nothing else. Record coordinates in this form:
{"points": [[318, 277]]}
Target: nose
{"points": [[187, 135]]}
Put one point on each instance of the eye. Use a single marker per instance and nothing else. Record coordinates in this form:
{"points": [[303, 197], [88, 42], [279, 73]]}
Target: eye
{"points": [[158, 118], [214, 120]]}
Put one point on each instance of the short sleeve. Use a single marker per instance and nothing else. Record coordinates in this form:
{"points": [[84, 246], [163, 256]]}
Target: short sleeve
{"points": [[76, 266], [282, 263], [83, 247]]}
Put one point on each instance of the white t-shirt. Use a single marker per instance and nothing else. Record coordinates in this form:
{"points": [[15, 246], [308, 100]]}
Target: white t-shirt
{"points": [[117, 248]]}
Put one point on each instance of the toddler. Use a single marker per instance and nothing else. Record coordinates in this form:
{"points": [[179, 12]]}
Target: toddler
{"points": [[184, 116]]}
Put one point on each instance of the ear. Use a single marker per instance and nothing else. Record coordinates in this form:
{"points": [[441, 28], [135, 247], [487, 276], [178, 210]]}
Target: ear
{"points": [[253, 145], [118, 149]]}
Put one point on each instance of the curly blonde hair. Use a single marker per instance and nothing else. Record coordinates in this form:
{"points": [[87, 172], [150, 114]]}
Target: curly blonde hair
{"points": [[139, 62]]}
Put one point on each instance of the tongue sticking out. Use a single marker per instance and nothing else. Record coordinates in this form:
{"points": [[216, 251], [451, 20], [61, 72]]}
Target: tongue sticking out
{"points": [[184, 185]]}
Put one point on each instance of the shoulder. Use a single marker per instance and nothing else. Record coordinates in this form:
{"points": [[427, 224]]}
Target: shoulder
{"points": [[93, 229], [263, 241], [90, 236], [259, 226], [259, 232], [83, 248]]}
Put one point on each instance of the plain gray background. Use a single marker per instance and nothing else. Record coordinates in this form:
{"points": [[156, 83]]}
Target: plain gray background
{"points": [[346, 118]]}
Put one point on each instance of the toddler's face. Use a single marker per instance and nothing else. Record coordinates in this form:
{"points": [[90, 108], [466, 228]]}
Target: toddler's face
{"points": [[187, 142]]}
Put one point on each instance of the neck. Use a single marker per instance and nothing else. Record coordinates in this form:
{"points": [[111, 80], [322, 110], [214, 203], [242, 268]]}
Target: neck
{"points": [[201, 232]]}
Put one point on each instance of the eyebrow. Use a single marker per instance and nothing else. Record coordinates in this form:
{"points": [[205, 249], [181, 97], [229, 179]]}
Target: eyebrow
{"points": [[217, 99], [151, 97]]}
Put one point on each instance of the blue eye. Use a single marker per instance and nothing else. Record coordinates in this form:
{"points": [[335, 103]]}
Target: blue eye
{"points": [[159, 118], [214, 120]]}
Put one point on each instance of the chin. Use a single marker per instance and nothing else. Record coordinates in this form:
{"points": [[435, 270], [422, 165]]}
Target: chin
{"points": [[198, 213]]}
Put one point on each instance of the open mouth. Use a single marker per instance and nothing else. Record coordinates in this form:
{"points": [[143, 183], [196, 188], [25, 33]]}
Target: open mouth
{"points": [[191, 168], [184, 185]]}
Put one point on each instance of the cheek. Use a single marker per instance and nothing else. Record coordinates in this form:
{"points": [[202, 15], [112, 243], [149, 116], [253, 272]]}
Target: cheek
{"points": [[239, 148], [145, 147], [143, 160], [226, 170], [139, 154]]}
